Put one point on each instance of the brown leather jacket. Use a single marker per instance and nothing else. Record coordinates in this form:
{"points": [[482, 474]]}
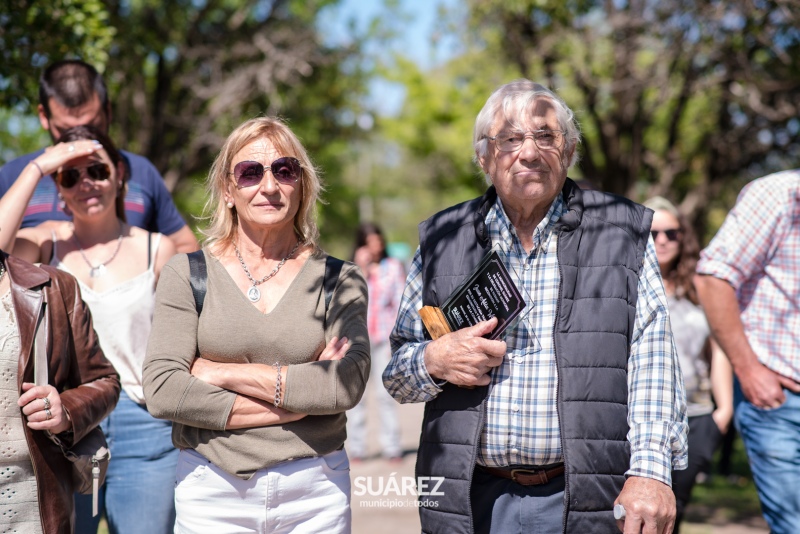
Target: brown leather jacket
{"points": [[86, 381]]}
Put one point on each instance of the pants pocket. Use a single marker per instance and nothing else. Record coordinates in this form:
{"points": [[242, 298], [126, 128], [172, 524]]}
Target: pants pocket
{"points": [[191, 469], [337, 461]]}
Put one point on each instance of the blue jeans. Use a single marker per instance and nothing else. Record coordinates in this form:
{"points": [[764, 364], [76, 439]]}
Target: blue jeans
{"points": [[772, 441], [139, 493]]}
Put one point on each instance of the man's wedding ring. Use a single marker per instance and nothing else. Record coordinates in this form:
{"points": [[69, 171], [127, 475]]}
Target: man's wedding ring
{"points": [[46, 402]]}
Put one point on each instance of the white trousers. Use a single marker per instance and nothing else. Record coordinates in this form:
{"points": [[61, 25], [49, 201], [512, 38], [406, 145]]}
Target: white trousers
{"points": [[309, 495]]}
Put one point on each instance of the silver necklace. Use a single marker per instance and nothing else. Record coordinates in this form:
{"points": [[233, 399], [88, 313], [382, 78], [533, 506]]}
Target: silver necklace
{"points": [[100, 269], [2, 271], [254, 294]]}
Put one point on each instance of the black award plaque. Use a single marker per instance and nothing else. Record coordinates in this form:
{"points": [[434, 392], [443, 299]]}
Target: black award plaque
{"points": [[488, 292]]}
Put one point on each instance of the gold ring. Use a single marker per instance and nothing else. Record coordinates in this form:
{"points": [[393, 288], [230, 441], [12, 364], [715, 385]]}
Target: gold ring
{"points": [[46, 403], [47, 413]]}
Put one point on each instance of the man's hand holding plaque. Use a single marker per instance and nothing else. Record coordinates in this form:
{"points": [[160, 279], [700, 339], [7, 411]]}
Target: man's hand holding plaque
{"points": [[467, 329], [465, 357], [488, 292]]}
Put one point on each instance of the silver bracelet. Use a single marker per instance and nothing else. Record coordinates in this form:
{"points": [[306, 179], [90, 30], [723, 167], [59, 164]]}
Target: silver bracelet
{"points": [[277, 402]]}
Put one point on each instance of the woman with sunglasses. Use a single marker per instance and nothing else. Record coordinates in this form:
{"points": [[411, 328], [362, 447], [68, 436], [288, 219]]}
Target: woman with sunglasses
{"points": [[117, 266], [258, 383], [707, 374]]}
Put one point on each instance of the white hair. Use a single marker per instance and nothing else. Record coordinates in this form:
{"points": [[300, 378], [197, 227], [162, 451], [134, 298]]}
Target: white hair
{"points": [[514, 99]]}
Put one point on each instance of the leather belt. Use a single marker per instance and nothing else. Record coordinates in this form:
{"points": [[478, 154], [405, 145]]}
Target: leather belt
{"points": [[526, 477]]}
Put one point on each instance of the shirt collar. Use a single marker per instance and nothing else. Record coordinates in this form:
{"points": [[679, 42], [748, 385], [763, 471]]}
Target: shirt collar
{"points": [[504, 234]]}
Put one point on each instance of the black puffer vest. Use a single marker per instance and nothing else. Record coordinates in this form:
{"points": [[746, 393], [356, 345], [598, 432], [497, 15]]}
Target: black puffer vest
{"points": [[601, 243]]}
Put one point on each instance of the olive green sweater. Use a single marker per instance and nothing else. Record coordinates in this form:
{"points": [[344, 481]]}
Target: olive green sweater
{"points": [[231, 329]]}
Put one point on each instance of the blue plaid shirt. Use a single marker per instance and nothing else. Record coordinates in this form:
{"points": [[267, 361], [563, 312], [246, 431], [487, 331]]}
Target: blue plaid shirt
{"points": [[521, 426]]}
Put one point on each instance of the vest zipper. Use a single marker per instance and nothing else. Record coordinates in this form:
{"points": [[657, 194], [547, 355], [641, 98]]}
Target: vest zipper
{"points": [[475, 458], [558, 386]]}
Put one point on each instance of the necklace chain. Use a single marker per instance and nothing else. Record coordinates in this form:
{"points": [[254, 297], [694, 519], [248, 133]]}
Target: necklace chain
{"points": [[271, 274], [100, 269]]}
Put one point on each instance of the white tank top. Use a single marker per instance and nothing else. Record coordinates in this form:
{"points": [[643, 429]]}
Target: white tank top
{"points": [[123, 317]]}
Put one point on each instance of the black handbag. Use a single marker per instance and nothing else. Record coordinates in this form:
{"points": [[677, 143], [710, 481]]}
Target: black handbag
{"points": [[90, 456]]}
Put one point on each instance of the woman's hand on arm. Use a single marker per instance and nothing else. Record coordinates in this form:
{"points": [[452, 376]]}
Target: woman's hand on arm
{"points": [[248, 412], [43, 414], [331, 387], [335, 349], [256, 380]]}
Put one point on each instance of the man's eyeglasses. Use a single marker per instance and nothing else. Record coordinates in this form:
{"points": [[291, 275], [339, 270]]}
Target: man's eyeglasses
{"points": [[544, 139], [249, 173], [672, 234], [98, 172]]}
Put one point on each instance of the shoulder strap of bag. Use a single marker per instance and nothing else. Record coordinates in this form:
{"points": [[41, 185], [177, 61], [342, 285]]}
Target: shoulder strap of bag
{"points": [[40, 346], [333, 266], [198, 278], [97, 443]]}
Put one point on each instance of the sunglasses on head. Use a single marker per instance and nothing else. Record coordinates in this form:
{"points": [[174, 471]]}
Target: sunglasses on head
{"points": [[249, 173], [67, 178], [672, 234]]}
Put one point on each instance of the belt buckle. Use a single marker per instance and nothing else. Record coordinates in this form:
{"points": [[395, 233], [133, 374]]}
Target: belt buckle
{"points": [[539, 472]]}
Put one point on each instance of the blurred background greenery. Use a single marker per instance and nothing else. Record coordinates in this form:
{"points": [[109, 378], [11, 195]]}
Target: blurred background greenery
{"points": [[687, 99]]}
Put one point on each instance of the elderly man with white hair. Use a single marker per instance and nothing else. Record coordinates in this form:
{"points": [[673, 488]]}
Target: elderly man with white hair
{"points": [[580, 406]]}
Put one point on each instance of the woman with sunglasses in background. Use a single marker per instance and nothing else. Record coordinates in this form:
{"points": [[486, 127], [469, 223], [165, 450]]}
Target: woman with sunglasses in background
{"points": [[259, 381], [707, 374], [117, 266]]}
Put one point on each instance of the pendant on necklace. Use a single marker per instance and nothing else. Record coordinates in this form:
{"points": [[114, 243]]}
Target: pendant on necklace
{"points": [[254, 294], [97, 272]]}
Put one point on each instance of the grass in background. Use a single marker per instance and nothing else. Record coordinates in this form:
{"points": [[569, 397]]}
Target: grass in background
{"points": [[726, 497]]}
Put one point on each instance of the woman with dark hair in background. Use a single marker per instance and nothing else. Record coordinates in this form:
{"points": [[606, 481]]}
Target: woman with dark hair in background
{"points": [[386, 279], [117, 266], [707, 373]]}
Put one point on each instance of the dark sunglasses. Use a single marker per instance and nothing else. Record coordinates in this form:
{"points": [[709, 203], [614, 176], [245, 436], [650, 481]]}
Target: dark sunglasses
{"points": [[249, 173], [98, 172], [672, 234]]}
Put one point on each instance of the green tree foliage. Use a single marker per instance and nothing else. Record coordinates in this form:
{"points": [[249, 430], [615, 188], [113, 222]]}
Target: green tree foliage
{"points": [[182, 74], [432, 135], [32, 33], [190, 71], [676, 97], [682, 98]]}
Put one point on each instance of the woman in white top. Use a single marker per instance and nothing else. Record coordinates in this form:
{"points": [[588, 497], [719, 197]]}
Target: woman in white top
{"points": [[706, 371], [117, 266]]}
